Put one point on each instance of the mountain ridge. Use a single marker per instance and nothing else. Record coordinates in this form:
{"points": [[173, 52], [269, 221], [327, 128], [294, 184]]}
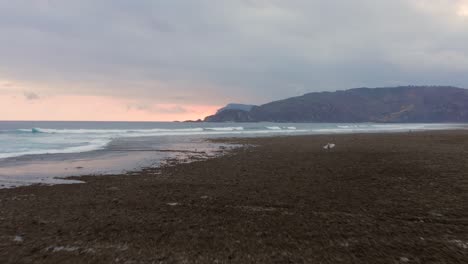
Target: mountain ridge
{"points": [[402, 104], [235, 106]]}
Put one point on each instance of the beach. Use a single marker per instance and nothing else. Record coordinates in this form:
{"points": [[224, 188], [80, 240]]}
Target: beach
{"points": [[374, 198]]}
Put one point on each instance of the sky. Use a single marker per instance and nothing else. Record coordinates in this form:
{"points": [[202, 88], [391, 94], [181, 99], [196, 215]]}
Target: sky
{"points": [[161, 60]]}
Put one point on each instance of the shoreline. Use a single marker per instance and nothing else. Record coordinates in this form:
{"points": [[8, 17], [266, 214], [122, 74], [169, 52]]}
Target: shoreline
{"points": [[56, 169], [375, 198], [52, 169]]}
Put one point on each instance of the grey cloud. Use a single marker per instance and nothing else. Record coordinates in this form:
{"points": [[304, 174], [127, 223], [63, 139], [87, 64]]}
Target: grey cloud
{"points": [[31, 96], [177, 109], [231, 50], [171, 110]]}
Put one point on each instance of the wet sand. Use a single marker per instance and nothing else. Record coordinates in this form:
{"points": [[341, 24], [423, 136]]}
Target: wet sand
{"points": [[375, 198]]}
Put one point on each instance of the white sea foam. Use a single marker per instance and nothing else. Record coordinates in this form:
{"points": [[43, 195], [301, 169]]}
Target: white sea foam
{"points": [[55, 141], [90, 146], [224, 128], [47, 140], [281, 128], [107, 131]]}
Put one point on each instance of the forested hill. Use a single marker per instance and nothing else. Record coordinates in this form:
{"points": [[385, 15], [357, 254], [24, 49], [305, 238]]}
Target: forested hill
{"points": [[390, 104]]}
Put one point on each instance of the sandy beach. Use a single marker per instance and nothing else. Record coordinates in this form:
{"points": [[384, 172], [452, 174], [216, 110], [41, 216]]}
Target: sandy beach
{"points": [[374, 198]]}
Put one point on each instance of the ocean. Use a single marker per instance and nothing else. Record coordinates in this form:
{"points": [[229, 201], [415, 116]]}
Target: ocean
{"points": [[40, 151]]}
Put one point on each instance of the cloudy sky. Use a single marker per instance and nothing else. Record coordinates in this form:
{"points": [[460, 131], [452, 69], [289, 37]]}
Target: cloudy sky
{"points": [[176, 60]]}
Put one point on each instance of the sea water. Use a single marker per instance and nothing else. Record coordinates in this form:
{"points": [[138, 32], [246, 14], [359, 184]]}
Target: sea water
{"points": [[38, 152]]}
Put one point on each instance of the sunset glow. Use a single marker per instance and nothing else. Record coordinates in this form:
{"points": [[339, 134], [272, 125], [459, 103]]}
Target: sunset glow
{"points": [[463, 9], [96, 108]]}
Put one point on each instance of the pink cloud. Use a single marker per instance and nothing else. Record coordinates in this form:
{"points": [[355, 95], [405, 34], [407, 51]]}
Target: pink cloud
{"points": [[96, 108]]}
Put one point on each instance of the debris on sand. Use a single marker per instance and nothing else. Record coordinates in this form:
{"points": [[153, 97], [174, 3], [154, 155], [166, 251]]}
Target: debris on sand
{"points": [[18, 239], [329, 146], [63, 248], [404, 260], [257, 208], [459, 243]]}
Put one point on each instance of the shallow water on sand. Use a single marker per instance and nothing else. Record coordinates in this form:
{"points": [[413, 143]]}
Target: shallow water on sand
{"points": [[120, 156]]}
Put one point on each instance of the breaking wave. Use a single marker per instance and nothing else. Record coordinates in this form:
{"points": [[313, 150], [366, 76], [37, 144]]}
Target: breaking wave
{"points": [[151, 132], [90, 146]]}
